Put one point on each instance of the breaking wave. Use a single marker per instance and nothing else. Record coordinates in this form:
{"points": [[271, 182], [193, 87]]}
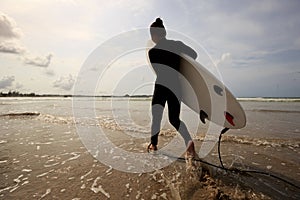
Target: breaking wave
{"points": [[108, 122], [274, 111], [265, 99], [55, 119], [257, 141]]}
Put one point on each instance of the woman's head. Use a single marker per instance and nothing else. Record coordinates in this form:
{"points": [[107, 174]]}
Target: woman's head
{"points": [[157, 30]]}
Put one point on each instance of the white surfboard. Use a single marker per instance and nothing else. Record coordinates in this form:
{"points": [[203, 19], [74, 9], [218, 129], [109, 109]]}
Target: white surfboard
{"points": [[207, 96]]}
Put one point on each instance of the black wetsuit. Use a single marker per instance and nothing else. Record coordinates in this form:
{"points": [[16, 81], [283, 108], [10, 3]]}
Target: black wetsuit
{"points": [[165, 59]]}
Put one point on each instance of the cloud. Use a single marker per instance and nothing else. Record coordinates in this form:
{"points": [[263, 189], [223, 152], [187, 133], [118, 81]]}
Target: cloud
{"points": [[38, 61], [224, 58], [11, 47], [64, 82], [6, 82], [8, 27], [10, 36]]}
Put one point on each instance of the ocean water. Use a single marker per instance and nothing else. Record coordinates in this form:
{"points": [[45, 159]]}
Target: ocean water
{"points": [[268, 120], [270, 141], [275, 120]]}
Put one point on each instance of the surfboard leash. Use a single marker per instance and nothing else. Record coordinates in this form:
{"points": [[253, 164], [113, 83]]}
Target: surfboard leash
{"points": [[236, 170], [219, 146], [233, 170]]}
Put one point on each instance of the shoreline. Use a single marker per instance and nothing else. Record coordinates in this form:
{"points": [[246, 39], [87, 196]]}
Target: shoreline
{"points": [[139, 96], [43, 157], [49, 161]]}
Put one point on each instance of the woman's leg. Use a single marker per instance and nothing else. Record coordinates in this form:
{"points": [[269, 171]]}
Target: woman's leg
{"points": [[174, 117], [158, 104]]}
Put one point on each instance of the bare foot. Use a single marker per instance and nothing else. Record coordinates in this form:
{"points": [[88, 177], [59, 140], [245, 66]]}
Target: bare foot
{"points": [[190, 151], [151, 148]]}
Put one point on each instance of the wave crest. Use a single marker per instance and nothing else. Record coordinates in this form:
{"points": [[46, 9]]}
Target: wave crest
{"points": [[257, 141]]}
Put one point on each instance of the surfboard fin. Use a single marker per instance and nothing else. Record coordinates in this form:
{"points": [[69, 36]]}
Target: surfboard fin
{"points": [[203, 116]]}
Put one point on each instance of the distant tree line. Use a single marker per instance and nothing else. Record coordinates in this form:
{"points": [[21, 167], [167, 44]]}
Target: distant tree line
{"points": [[32, 94], [16, 94], [19, 94]]}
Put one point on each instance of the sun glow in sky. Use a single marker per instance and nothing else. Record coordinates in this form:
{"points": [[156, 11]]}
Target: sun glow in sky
{"points": [[254, 44]]}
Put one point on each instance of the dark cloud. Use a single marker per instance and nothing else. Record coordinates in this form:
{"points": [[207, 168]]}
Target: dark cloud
{"points": [[6, 82], [64, 82]]}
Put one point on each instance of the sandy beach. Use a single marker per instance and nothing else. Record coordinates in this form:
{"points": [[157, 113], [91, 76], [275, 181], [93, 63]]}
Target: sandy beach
{"points": [[42, 157]]}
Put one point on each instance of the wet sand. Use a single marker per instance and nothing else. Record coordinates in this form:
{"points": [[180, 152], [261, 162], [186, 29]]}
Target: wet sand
{"points": [[41, 160]]}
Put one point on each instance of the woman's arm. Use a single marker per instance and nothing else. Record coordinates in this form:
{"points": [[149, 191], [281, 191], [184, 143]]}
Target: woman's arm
{"points": [[187, 50]]}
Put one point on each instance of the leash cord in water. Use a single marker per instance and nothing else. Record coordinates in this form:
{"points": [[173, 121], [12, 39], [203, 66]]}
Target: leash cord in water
{"points": [[235, 170], [247, 171]]}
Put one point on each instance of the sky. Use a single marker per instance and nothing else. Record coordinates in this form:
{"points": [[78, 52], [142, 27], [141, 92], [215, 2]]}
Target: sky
{"points": [[254, 45]]}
